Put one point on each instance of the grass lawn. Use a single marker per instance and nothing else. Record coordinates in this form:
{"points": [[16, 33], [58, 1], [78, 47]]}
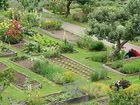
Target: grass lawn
{"points": [[135, 43], [98, 66]]}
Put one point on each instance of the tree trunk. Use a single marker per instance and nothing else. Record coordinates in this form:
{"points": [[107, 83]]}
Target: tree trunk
{"points": [[117, 49], [68, 7]]}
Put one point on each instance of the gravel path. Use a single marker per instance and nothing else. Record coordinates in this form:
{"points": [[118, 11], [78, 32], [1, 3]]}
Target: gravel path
{"points": [[80, 31]]}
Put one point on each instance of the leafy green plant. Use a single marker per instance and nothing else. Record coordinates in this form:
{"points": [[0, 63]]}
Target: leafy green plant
{"points": [[97, 46], [96, 76], [129, 96], [100, 57], [117, 65], [32, 47], [90, 44], [44, 40], [52, 53], [10, 31], [52, 24], [66, 47]]}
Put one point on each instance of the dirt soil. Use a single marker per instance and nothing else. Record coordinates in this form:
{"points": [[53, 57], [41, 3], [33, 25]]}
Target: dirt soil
{"points": [[8, 53], [61, 34], [20, 80], [2, 66], [25, 63], [19, 45]]}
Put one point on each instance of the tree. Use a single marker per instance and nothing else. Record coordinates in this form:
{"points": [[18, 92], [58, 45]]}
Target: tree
{"points": [[69, 2], [119, 26], [30, 5], [3, 4]]}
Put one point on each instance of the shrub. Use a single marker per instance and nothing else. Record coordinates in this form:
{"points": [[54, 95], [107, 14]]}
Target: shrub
{"points": [[32, 47], [10, 31], [95, 90], [39, 65], [52, 53], [117, 65], [84, 42], [80, 16], [130, 68], [129, 96], [100, 57], [96, 76], [66, 47], [97, 46], [34, 98], [68, 77], [58, 78], [29, 19], [52, 24], [88, 43]]}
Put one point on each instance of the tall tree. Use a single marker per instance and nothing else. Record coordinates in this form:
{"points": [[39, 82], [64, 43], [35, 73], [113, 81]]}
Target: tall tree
{"points": [[120, 26], [69, 2], [3, 4]]}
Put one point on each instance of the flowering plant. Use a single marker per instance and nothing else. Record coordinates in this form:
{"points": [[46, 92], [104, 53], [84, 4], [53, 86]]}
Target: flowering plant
{"points": [[10, 31]]}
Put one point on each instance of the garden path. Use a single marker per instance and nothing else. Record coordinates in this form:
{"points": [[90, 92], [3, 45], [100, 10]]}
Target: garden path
{"points": [[81, 31]]}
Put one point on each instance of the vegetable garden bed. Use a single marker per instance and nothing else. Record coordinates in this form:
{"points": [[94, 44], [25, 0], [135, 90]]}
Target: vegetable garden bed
{"points": [[23, 61], [64, 98], [21, 79]]}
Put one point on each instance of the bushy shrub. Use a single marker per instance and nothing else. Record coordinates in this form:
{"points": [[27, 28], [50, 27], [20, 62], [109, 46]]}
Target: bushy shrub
{"points": [[84, 42], [52, 53], [129, 96], [34, 98], [29, 19], [61, 78], [97, 46], [130, 68], [80, 16], [66, 47], [10, 31], [117, 65], [96, 76], [68, 77], [100, 57], [51, 24], [95, 90], [32, 47], [88, 43]]}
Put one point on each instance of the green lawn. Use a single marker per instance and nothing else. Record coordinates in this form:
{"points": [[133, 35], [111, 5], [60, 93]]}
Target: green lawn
{"points": [[82, 54]]}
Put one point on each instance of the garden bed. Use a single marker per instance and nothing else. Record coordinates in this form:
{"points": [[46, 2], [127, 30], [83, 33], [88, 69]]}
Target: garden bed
{"points": [[128, 67], [24, 62], [61, 99], [21, 79], [62, 34]]}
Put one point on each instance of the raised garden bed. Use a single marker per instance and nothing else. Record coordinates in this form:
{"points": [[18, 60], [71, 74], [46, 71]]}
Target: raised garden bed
{"points": [[62, 34], [128, 67], [23, 61], [64, 98], [21, 81]]}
